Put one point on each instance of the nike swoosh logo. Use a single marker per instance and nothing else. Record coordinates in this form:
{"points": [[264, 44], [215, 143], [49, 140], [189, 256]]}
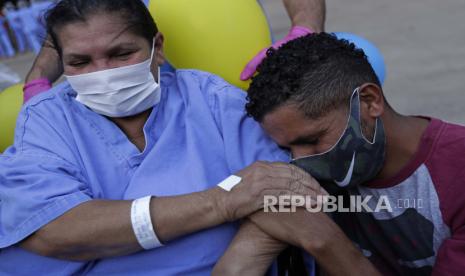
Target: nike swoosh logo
{"points": [[348, 177]]}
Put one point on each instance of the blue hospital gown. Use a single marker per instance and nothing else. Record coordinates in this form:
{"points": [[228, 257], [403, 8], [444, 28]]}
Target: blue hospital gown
{"points": [[65, 154]]}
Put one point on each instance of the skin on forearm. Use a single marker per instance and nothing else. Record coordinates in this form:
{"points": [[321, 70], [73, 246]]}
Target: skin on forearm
{"points": [[174, 217], [46, 65], [317, 234], [341, 257], [307, 13], [102, 229], [250, 253], [92, 230]]}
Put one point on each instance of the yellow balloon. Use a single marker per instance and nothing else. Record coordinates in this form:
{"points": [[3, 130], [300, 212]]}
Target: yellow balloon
{"points": [[218, 36], [11, 100]]}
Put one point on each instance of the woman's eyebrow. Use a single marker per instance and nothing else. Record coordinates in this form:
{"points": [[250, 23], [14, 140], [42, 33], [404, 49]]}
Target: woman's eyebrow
{"points": [[111, 50], [75, 56], [123, 45]]}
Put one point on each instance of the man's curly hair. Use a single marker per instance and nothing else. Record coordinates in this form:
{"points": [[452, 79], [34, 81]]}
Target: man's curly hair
{"points": [[317, 72]]}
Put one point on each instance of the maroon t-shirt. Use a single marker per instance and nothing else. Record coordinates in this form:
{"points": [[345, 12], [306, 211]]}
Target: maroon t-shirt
{"points": [[424, 232]]}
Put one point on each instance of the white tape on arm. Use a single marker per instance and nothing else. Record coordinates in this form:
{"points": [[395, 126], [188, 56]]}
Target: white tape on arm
{"points": [[230, 182], [142, 223]]}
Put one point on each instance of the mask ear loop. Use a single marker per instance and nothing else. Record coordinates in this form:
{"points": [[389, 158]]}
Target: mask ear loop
{"points": [[151, 60], [153, 50], [359, 116]]}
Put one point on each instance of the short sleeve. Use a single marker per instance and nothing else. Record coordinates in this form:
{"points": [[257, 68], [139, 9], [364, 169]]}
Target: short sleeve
{"points": [[450, 258], [451, 255], [244, 139], [38, 181]]}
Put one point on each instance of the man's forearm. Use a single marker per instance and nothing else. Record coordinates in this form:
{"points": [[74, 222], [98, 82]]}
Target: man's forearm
{"points": [[341, 257], [307, 13], [317, 234], [250, 253], [101, 229], [46, 65]]}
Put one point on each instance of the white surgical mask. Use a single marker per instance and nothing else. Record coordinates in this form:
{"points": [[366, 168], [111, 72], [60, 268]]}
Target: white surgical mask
{"points": [[118, 92]]}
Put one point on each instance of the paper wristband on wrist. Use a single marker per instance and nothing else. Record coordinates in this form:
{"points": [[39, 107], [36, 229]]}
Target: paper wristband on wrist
{"points": [[142, 224]]}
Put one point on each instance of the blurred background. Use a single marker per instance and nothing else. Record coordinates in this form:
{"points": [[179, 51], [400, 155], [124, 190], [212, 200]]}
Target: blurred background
{"points": [[423, 43]]}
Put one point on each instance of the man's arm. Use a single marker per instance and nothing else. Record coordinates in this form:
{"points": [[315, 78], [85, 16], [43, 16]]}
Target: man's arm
{"points": [[256, 246], [307, 13], [450, 259], [250, 253], [46, 65], [100, 229], [317, 234], [46, 69]]}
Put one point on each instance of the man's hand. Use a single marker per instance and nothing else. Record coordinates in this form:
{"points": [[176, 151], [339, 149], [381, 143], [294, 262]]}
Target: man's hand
{"points": [[250, 253], [316, 233], [266, 179], [308, 230]]}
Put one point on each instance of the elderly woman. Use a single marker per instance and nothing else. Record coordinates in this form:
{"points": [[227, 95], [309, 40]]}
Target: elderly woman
{"points": [[116, 170]]}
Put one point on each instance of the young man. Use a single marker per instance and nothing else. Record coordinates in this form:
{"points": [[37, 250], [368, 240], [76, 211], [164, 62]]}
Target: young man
{"points": [[318, 97]]}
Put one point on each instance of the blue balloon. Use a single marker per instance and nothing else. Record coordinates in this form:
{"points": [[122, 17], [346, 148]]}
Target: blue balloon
{"points": [[374, 55]]}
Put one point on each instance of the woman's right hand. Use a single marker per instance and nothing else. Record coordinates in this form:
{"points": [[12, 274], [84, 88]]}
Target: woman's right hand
{"points": [[266, 179]]}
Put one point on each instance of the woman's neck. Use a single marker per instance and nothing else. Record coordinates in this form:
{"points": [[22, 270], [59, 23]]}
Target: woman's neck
{"points": [[133, 127]]}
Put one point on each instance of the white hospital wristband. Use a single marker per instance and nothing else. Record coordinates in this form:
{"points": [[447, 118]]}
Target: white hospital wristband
{"points": [[230, 182], [142, 223]]}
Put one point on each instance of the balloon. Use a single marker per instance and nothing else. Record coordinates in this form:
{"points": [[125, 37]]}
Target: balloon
{"points": [[218, 36], [371, 51], [11, 100]]}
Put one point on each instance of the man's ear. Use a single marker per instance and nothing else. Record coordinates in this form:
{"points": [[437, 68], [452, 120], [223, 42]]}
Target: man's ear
{"points": [[372, 103], [159, 56]]}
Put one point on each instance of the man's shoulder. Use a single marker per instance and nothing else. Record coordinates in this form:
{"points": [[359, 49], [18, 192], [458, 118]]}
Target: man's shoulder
{"points": [[448, 142], [453, 133]]}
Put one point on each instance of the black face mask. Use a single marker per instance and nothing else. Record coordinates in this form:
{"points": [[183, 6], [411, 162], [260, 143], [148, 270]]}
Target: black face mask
{"points": [[353, 160]]}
